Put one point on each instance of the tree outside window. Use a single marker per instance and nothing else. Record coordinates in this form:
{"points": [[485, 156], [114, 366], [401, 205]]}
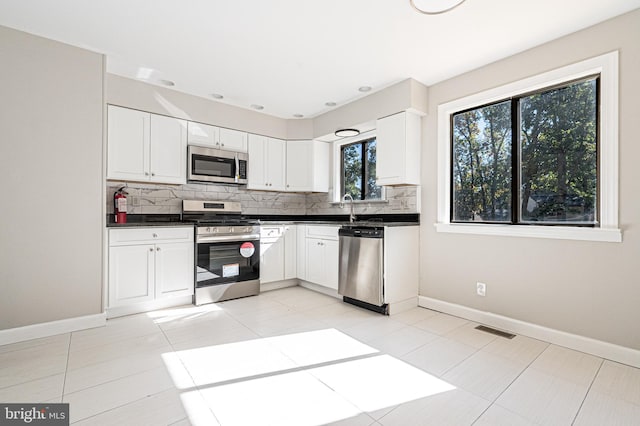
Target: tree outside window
{"points": [[359, 170], [532, 159]]}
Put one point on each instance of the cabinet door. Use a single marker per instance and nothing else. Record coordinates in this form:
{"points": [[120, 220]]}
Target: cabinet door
{"points": [[398, 141], [127, 144], [390, 141], [276, 157], [202, 135], [174, 269], [168, 149], [257, 172], [271, 260], [299, 166], [233, 140], [315, 261], [290, 252], [331, 263], [301, 252], [131, 274]]}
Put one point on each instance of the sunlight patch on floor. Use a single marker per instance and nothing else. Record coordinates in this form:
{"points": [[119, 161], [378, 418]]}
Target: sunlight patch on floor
{"points": [[309, 378]]}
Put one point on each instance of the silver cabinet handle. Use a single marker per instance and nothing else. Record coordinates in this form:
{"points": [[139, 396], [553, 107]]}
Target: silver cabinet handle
{"points": [[157, 248], [151, 249], [146, 173], [155, 235], [153, 174]]}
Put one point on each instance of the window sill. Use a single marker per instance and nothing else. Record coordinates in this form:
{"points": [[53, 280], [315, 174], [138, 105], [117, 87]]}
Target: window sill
{"points": [[611, 235]]}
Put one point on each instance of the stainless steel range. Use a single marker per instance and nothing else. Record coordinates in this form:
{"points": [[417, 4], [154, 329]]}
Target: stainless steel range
{"points": [[227, 251]]}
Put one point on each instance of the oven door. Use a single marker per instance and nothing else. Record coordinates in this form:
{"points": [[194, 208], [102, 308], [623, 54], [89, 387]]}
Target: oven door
{"points": [[224, 262]]}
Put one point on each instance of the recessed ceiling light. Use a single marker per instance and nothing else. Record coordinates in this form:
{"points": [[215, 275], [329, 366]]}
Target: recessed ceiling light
{"points": [[330, 104], [256, 106], [217, 96], [345, 133], [298, 115], [364, 88], [167, 82]]}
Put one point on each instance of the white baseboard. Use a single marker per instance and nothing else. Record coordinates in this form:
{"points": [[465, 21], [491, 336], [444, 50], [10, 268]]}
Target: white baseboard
{"points": [[152, 305], [46, 329], [320, 289], [402, 306], [588, 345], [278, 285]]}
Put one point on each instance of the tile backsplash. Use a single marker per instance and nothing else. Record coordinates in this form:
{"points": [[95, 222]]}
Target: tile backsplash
{"points": [[151, 198]]}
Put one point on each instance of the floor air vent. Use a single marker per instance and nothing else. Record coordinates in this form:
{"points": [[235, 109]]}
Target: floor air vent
{"points": [[496, 332]]}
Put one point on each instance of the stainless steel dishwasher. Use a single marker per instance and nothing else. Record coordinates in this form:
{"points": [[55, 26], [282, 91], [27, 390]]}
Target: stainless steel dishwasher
{"points": [[361, 272]]}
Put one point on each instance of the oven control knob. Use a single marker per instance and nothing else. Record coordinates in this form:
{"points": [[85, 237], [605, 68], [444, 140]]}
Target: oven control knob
{"points": [[216, 230], [208, 229]]}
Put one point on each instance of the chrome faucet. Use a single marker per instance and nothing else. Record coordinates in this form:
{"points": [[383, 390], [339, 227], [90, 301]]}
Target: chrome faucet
{"points": [[352, 216]]}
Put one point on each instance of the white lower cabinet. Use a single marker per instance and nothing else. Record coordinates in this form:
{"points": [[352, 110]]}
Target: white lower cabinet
{"points": [[148, 265], [322, 253], [277, 253]]}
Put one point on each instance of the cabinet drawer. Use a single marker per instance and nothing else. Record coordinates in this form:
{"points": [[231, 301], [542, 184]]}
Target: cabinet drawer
{"points": [[327, 232], [271, 232], [150, 235]]}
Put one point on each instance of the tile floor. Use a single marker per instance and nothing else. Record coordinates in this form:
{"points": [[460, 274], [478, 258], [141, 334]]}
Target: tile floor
{"points": [[296, 357]]}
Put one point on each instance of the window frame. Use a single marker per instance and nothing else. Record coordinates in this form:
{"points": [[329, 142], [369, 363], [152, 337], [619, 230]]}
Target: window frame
{"points": [[338, 184], [514, 104], [606, 66], [363, 170]]}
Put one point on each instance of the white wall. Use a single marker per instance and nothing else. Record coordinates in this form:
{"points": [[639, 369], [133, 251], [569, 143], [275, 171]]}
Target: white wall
{"points": [[51, 173], [590, 289]]}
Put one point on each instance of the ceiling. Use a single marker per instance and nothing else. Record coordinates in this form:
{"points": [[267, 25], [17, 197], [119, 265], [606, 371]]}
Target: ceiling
{"points": [[293, 56]]}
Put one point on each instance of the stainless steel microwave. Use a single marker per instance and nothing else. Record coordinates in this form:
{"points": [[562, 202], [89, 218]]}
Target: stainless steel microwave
{"points": [[216, 165]]}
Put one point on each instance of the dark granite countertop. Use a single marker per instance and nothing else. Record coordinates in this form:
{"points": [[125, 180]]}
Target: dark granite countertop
{"points": [[137, 220]]}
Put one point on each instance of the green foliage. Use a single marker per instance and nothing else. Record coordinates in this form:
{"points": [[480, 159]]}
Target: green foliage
{"points": [[360, 185], [558, 158]]}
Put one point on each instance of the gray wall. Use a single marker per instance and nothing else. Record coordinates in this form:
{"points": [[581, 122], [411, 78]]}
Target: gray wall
{"points": [[51, 107], [586, 288]]}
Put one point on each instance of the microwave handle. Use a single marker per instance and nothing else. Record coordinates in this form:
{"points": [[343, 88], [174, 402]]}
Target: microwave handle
{"points": [[237, 173]]}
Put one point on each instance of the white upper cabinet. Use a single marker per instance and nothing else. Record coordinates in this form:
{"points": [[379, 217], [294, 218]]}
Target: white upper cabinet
{"points": [[266, 166], [168, 149], [217, 137], [398, 145], [233, 140], [128, 144], [203, 135], [145, 147], [307, 166]]}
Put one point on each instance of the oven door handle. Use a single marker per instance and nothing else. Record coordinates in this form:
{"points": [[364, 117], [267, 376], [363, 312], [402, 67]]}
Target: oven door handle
{"points": [[223, 238]]}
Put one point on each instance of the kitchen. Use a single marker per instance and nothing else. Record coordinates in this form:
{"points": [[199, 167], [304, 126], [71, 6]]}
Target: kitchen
{"points": [[44, 290]]}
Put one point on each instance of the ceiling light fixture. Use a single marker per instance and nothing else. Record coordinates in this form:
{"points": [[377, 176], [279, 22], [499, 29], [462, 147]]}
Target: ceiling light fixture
{"points": [[346, 133], [167, 82], [298, 115], [330, 104], [257, 107], [364, 89], [433, 7], [217, 96]]}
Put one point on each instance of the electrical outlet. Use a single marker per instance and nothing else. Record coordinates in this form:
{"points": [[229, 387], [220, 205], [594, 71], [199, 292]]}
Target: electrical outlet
{"points": [[481, 289]]}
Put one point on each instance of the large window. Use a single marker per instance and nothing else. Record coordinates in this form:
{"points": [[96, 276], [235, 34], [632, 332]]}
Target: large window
{"points": [[358, 174], [535, 152], [531, 159]]}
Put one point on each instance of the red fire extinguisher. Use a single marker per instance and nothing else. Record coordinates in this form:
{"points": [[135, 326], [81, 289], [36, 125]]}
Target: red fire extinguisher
{"points": [[120, 205]]}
